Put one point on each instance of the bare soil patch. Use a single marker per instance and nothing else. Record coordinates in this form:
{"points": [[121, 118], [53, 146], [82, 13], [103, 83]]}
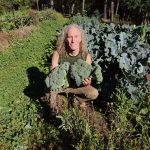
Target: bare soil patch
{"points": [[4, 41], [148, 79], [7, 37]]}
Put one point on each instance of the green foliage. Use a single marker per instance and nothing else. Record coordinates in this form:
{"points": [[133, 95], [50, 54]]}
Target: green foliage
{"points": [[18, 19], [15, 20], [128, 122], [4, 6], [79, 71], [21, 123], [144, 32], [80, 20], [128, 125], [75, 123], [13, 5], [119, 46], [58, 77], [96, 73], [141, 5], [64, 73], [97, 14]]}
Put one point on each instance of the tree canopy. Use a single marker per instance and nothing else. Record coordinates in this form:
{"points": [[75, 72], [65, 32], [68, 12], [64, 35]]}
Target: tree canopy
{"points": [[125, 9]]}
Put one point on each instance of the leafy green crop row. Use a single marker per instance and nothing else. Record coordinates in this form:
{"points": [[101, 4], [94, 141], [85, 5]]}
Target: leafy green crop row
{"points": [[20, 19]]}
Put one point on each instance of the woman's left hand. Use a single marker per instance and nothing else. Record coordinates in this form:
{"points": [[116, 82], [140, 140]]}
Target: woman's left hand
{"points": [[87, 81]]}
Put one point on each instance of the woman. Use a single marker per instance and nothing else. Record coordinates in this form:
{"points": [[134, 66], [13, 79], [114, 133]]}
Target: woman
{"points": [[71, 46]]}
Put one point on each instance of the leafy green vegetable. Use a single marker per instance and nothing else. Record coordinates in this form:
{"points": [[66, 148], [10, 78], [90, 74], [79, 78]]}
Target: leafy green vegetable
{"points": [[96, 73], [79, 71], [58, 77], [121, 53]]}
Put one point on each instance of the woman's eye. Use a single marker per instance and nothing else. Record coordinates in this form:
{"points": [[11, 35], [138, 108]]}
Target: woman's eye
{"points": [[68, 37]]}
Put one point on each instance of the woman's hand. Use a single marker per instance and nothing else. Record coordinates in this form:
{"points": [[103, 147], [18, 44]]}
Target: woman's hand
{"points": [[87, 81]]}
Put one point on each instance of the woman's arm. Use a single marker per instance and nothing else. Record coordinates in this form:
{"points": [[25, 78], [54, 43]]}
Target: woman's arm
{"points": [[55, 60], [89, 59]]}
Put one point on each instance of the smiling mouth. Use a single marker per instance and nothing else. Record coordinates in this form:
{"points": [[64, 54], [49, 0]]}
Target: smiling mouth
{"points": [[73, 44]]}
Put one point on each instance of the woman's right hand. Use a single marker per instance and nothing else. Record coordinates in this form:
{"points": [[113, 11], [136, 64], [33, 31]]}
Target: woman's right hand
{"points": [[87, 81]]}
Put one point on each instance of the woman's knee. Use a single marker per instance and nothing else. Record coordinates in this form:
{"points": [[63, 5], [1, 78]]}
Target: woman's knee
{"points": [[92, 93]]}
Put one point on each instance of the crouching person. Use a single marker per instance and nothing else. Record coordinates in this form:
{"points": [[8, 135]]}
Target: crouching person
{"points": [[71, 70]]}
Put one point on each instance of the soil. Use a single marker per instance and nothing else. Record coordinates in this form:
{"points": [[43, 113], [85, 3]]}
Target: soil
{"points": [[95, 118], [4, 41], [7, 37], [148, 79]]}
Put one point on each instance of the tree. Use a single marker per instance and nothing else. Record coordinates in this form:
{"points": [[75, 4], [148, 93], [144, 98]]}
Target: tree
{"points": [[136, 7], [112, 10], [105, 9], [83, 6]]}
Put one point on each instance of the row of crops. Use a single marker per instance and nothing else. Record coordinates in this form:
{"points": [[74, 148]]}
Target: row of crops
{"points": [[18, 19], [26, 121]]}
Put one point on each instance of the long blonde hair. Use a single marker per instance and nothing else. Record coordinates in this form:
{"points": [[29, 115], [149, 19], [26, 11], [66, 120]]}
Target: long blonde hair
{"points": [[61, 43]]}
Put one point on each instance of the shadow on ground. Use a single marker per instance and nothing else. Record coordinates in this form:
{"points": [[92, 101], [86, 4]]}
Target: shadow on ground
{"points": [[36, 91], [36, 86]]}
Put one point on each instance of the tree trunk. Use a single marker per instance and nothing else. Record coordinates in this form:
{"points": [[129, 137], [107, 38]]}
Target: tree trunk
{"points": [[105, 9], [83, 7], [117, 7], [37, 4], [52, 4], [72, 9], [112, 10]]}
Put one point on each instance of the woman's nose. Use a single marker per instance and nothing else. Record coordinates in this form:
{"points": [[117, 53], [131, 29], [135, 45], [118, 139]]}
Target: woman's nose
{"points": [[73, 39]]}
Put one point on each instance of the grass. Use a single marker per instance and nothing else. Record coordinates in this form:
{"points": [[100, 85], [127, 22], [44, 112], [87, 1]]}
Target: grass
{"points": [[21, 120]]}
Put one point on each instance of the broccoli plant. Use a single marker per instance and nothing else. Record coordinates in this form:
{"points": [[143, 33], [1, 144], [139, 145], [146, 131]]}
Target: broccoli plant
{"points": [[121, 54], [96, 73], [81, 70], [58, 77]]}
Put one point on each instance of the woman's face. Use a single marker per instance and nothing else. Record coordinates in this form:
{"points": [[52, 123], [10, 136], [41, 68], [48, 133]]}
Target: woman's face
{"points": [[74, 39]]}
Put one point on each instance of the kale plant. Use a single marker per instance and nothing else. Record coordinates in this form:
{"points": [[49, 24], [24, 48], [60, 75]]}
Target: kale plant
{"points": [[118, 49]]}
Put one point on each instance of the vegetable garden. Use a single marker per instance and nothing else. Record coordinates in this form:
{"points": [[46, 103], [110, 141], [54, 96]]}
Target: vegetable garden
{"points": [[122, 108]]}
